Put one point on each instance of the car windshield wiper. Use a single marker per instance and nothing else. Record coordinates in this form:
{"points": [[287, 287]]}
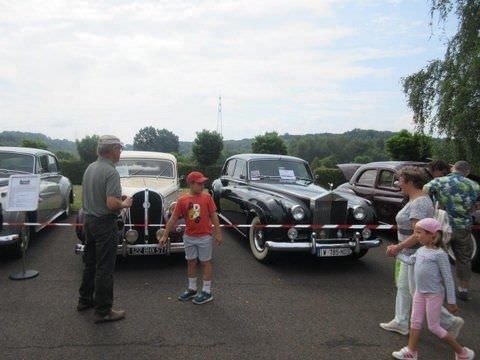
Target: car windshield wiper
{"points": [[309, 180]]}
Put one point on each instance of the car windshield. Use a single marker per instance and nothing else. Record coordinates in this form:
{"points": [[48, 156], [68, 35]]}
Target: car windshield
{"points": [[279, 169], [145, 167], [13, 162]]}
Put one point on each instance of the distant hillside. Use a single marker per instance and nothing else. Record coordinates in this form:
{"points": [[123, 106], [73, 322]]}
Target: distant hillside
{"points": [[14, 138]]}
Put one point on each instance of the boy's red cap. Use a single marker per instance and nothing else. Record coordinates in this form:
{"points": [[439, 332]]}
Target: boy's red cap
{"points": [[196, 176]]}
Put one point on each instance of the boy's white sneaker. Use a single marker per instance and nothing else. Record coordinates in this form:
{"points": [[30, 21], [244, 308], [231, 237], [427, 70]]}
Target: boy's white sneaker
{"points": [[405, 354], [468, 354], [395, 327]]}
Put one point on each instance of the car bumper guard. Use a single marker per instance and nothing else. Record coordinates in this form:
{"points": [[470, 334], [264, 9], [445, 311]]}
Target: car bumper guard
{"points": [[9, 239]]}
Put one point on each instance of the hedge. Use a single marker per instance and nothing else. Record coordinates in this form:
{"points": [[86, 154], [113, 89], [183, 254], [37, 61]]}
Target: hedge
{"points": [[327, 175], [211, 171], [73, 169]]}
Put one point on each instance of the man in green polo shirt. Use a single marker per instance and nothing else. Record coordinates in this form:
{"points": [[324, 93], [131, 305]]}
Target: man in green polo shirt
{"points": [[459, 196], [102, 202]]}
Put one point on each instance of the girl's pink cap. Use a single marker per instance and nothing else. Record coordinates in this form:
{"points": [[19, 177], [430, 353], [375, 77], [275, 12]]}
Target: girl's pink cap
{"points": [[429, 224]]}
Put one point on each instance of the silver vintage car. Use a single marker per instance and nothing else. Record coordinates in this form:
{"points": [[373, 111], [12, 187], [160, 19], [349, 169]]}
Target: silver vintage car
{"points": [[151, 179], [56, 194]]}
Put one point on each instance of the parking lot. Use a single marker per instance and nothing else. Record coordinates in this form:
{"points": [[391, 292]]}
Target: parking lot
{"points": [[298, 307]]}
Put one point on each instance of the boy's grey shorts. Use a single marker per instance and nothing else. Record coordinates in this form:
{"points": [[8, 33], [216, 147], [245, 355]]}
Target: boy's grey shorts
{"points": [[198, 247]]}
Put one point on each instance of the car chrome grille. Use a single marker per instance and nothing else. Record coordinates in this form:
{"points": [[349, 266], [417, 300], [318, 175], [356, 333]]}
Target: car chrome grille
{"points": [[330, 209], [137, 213]]}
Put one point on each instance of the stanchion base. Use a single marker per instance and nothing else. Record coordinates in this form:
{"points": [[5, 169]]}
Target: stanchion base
{"points": [[23, 275]]}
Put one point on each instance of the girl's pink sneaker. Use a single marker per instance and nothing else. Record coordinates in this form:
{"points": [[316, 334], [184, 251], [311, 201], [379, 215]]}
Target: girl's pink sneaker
{"points": [[405, 354], [468, 354]]}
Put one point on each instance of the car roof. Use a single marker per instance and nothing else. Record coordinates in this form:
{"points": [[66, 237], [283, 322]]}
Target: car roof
{"points": [[25, 150], [248, 157], [395, 165], [154, 155]]}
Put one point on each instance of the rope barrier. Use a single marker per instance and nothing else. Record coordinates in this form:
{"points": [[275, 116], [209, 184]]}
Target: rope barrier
{"points": [[267, 226]]}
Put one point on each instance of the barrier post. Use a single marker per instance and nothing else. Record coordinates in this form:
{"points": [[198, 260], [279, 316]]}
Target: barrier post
{"points": [[23, 196]]}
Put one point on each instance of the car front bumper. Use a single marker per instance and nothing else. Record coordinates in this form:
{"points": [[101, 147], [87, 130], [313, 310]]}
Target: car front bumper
{"points": [[126, 249], [356, 244], [9, 239]]}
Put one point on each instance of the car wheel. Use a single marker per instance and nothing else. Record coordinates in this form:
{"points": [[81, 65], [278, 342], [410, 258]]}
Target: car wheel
{"points": [[476, 258], [257, 241], [475, 253]]}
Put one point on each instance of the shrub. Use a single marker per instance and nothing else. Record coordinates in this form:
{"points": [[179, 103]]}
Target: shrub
{"points": [[326, 176]]}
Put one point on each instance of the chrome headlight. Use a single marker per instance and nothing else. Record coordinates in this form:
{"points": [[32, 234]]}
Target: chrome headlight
{"points": [[131, 236], [297, 212], [359, 213], [172, 207]]}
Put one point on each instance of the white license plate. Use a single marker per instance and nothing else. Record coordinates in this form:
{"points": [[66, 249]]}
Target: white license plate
{"points": [[334, 252], [146, 251]]}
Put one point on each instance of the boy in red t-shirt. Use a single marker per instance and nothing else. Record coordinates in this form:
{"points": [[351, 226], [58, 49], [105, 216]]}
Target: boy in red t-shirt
{"points": [[199, 212]]}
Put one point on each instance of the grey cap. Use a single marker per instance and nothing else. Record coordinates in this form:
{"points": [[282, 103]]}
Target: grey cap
{"points": [[109, 140], [462, 166]]}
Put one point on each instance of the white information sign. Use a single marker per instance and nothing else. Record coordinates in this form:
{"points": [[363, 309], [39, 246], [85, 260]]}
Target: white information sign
{"points": [[23, 192], [286, 174]]}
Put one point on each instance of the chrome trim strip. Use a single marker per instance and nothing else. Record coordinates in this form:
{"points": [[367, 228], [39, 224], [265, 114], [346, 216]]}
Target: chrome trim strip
{"points": [[8, 238], [310, 246]]}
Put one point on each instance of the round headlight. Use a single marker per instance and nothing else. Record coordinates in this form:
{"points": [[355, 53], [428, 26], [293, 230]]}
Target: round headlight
{"points": [[366, 233], [297, 212], [359, 213], [292, 233], [172, 207], [131, 236]]}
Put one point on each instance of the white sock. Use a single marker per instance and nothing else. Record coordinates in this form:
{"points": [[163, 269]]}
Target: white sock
{"points": [[192, 284], [207, 286], [462, 289]]}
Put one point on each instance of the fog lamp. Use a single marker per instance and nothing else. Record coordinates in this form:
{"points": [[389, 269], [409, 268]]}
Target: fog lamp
{"points": [[292, 233], [339, 233], [366, 233], [178, 229], [322, 234], [131, 236]]}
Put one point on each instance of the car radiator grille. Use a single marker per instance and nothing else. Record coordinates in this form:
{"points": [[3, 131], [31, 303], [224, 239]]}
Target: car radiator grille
{"points": [[137, 212], [330, 209]]}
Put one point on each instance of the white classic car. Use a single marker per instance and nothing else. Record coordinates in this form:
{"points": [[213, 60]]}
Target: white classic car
{"points": [[55, 197], [151, 179]]}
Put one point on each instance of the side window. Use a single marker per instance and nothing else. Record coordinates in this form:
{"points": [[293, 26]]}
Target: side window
{"points": [[240, 169], [229, 168], [387, 179], [43, 162], [52, 164], [367, 178]]}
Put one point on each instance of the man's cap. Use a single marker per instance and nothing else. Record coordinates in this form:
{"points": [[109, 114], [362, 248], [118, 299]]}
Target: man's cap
{"points": [[196, 176], [109, 140], [462, 166], [429, 224]]}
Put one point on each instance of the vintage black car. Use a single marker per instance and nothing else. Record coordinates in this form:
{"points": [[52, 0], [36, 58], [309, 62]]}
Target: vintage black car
{"points": [[272, 199]]}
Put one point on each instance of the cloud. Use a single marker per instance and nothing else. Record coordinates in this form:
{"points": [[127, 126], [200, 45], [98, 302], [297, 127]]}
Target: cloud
{"points": [[115, 67]]}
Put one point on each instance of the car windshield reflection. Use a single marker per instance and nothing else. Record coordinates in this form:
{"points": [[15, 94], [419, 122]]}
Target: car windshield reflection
{"points": [[279, 170], [145, 168], [12, 162]]}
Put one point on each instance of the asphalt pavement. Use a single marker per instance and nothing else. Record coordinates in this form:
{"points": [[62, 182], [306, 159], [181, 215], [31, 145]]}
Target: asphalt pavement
{"points": [[299, 307]]}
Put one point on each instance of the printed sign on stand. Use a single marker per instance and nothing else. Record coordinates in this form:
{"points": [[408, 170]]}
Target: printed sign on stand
{"points": [[23, 192]]}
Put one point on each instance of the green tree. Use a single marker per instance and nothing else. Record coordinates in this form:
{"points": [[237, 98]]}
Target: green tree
{"points": [[362, 159], [270, 143], [151, 139], [87, 148], [207, 147], [407, 146], [64, 155], [444, 95], [36, 144]]}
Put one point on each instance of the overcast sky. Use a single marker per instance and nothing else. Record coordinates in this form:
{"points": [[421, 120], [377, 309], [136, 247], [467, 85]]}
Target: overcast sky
{"points": [[75, 68]]}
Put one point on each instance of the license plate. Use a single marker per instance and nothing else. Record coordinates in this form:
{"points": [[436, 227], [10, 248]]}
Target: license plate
{"points": [[334, 252], [137, 251]]}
